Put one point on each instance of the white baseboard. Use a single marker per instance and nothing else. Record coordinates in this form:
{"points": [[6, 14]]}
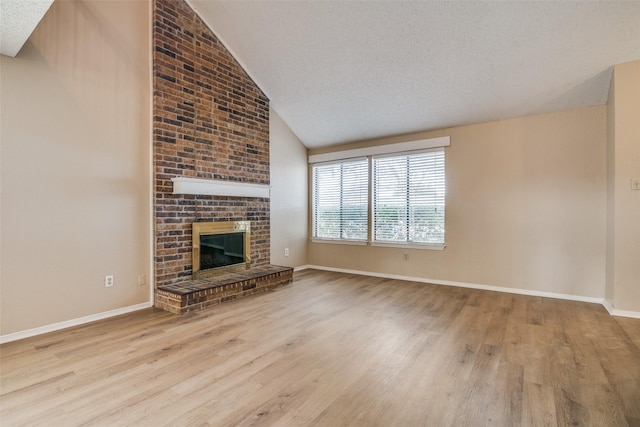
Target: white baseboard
{"points": [[607, 304], [73, 322], [622, 313], [625, 313], [303, 267]]}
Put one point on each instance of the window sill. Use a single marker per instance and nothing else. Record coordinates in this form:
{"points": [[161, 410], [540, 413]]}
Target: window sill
{"points": [[340, 241], [427, 246], [422, 246]]}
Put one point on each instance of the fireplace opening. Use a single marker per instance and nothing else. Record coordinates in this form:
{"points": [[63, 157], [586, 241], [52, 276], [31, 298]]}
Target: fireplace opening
{"points": [[220, 247], [220, 250]]}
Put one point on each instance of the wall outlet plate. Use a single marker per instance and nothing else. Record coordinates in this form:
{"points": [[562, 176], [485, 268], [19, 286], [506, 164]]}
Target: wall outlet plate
{"points": [[108, 281], [635, 183]]}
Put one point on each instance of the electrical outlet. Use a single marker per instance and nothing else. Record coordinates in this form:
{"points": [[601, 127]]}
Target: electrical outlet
{"points": [[635, 183], [405, 256], [108, 281], [286, 251], [141, 280]]}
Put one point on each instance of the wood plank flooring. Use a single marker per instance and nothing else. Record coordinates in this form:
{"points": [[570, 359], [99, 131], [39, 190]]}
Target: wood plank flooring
{"points": [[333, 349]]}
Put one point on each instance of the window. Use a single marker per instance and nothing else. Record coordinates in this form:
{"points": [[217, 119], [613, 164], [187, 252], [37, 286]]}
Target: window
{"points": [[340, 200], [390, 195], [408, 198]]}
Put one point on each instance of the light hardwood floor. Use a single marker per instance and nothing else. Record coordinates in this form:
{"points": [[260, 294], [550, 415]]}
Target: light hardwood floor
{"points": [[333, 349]]}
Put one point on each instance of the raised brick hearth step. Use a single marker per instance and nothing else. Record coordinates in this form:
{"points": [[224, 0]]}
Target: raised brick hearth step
{"points": [[191, 295]]}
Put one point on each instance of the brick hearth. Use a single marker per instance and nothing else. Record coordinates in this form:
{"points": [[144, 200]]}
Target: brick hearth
{"points": [[182, 297]]}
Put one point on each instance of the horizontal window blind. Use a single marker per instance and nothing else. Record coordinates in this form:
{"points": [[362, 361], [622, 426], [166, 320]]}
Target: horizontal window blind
{"points": [[409, 195], [340, 200]]}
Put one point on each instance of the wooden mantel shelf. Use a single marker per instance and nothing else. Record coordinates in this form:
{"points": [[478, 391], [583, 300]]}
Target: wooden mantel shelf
{"points": [[215, 187]]}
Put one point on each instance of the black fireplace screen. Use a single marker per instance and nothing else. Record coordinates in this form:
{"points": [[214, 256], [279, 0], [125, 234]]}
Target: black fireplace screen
{"points": [[221, 250]]}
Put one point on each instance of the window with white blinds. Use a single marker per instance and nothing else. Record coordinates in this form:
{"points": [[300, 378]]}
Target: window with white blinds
{"points": [[408, 198], [340, 200]]}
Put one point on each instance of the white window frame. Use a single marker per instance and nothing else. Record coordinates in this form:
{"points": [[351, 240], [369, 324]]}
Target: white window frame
{"points": [[340, 240], [397, 149], [373, 206]]}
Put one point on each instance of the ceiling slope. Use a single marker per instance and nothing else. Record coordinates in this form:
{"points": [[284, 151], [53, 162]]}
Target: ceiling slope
{"points": [[18, 19], [344, 71]]}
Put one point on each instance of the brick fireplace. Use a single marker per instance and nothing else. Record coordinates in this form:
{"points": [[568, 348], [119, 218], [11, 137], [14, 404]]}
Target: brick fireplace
{"points": [[211, 122]]}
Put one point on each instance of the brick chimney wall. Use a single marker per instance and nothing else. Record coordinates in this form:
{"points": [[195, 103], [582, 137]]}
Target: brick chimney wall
{"points": [[211, 121]]}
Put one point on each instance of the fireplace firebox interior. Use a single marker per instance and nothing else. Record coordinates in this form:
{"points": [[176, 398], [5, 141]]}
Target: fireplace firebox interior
{"points": [[220, 250]]}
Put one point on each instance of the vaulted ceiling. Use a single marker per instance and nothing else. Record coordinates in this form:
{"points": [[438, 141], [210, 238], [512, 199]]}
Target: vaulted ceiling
{"points": [[344, 71], [18, 19]]}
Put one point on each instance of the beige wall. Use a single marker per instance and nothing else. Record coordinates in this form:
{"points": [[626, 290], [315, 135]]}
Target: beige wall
{"points": [[288, 157], [525, 208], [75, 165], [623, 243]]}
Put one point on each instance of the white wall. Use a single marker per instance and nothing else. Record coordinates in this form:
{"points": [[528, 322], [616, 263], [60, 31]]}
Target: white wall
{"points": [[288, 157], [75, 165]]}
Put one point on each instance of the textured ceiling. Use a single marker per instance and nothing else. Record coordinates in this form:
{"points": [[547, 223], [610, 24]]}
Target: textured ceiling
{"points": [[344, 71], [18, 19]]}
